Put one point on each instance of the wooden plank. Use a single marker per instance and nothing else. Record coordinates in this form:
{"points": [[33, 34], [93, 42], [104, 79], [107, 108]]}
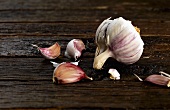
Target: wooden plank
{"points": [[27, 83], [75, 15], [118, 94], [78, 4], [155, 52], [21, 45], [47, 28], [38, 69], [93, 12], [147, 27], [70, 4]]}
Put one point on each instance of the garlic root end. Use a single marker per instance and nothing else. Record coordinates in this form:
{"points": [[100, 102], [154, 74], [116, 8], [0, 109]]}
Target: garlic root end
{"points": [[101, 59]]}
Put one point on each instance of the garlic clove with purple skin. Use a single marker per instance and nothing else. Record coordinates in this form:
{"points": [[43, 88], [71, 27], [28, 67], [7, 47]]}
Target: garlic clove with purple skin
{"points": [[51, 52], [74, 49], [159, 80], [122, 41], [114, 74], [68, 73]]}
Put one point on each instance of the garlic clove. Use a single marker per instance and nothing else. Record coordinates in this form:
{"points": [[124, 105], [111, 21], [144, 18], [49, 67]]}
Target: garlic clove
{"points": [[68, 73], [128, 52], [100, 36], [130, 57], [74, 49], [119, 26], [159, 80], [100, 28], [51, 52], [114, 74]]}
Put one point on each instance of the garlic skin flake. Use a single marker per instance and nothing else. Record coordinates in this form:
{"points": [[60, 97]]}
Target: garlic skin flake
{"points": [[68, 73], [114, 74], [51, 52], [57, 64], [118, 39], [74, 49]]}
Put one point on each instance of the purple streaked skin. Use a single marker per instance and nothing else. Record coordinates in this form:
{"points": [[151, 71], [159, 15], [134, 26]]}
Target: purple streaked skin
{"points": [[68, 73]]}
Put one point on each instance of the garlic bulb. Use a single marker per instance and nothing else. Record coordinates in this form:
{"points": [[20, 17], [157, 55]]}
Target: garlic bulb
{"points": [[68, 73], [74, 49], [118, 39], [51, 52]]}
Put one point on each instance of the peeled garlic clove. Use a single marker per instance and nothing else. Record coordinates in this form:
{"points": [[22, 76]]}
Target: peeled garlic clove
{"points": [[122, 42], [114, 74], [68, 73], [159, 80], [51, 52], [74, 49]]}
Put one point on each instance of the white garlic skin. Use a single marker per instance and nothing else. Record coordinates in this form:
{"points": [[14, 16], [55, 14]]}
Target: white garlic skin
{"points": [[119, 40], [55, 64], [114, 74], [100, 37], [74, 49]]}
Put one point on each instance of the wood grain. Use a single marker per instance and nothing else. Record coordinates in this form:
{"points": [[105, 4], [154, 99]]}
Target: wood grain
{"points": [[26, 77]]}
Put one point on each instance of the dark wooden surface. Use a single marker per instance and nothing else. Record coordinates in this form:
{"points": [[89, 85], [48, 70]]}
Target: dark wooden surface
{"points": [[26, 78]]}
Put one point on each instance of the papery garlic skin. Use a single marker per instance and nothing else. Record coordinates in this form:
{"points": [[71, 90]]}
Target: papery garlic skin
{"points": [[101, 36], [57, 64], [114, 74], [68, 73], [122, 42], [74, 49]]}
